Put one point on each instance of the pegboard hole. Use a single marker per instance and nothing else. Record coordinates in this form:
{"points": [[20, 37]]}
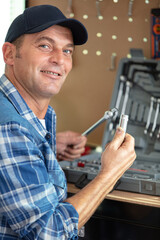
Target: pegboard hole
{"points": [[85, 16], [100, 17], [145, 39], [85, 51], [98, 53], [115, 18], [99, 34], [130, 19], [114, 37], [130, 39], [71, 15]]}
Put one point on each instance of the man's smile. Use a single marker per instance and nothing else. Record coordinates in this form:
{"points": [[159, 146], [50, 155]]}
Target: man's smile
{"points": [[50, 72]]}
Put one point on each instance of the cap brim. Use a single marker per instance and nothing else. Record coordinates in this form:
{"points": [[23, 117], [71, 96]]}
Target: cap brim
{"points": [[80, 35]]}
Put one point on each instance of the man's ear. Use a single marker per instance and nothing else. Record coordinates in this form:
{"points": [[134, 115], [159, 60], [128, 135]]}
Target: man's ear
{"points": [[8, 53]]}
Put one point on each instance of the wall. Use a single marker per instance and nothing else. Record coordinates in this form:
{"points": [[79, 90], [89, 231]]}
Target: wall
{"points": [[87, 91]]}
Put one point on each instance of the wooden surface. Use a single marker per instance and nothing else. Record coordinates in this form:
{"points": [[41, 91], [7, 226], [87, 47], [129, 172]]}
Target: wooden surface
{"points": [[135, 198]]}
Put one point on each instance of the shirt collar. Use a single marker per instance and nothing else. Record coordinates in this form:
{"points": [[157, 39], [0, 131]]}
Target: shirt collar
{"points": [[22, 108]]}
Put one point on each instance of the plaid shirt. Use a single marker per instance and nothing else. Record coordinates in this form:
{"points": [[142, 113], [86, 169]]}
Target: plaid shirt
{"points": [[32, 184]]}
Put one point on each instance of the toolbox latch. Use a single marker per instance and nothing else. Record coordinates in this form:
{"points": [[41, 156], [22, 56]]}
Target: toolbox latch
{"points": [[136, 53], [148, 187]]}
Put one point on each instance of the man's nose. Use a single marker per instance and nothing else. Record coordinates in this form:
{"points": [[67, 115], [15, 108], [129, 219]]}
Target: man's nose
{"points": [[57, 57]]}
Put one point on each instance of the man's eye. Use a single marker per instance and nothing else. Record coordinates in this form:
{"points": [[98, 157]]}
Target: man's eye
{"points": [[68, 51], [44, 46]]}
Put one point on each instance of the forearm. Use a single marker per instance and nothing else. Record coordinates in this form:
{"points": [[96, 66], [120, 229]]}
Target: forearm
{"points": [[89, 198], [115, 161]]}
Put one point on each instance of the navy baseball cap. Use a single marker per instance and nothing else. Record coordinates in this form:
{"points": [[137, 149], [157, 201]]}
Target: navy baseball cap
{"points": [[38, 18]]}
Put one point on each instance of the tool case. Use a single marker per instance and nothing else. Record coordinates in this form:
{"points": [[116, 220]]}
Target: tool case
{"points": [[137, 94]]}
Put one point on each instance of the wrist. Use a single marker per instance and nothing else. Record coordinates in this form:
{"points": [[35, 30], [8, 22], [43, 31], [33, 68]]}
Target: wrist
{"points": [[107, 179]]}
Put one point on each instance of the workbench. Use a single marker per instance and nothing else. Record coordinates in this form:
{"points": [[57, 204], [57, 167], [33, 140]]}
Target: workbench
{"points": [[124, 216]]}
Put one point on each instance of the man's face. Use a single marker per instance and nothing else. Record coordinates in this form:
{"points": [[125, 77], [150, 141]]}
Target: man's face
{"points": [[43, 62]]}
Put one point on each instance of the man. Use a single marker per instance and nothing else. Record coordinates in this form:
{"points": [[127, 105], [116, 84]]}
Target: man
{"points": [[33, 203]]}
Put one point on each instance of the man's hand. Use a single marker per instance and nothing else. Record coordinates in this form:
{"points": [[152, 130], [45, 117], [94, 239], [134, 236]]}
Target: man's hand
{"points": [[118, 155], [70, 145]]}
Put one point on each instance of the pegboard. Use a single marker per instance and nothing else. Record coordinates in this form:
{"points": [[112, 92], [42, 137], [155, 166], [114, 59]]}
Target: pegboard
{"points": [[114, 26]]}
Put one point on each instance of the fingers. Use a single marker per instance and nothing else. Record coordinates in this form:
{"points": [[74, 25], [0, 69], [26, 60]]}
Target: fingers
{"points": [[79, 143], [70, 145], [118, 139], [70, 154], [73, 138], [129, 141], [118, 156]]}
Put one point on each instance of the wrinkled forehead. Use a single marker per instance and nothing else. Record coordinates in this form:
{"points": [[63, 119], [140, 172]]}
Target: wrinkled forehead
{"points": [[54, 32]]}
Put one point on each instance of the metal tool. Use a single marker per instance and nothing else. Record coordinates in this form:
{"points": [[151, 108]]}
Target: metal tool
{"points": [[123, 122], [113, 59], [118, 101], [128, 86], [99, 15], [155, 118], [158, 134], [130, 7], [107, 115], [137, 111], [149, 115], [69, 10], [120, 92]]}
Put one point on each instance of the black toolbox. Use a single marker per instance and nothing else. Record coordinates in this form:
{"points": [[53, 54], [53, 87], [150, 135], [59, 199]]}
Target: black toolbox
{"points": [[136, 94]]}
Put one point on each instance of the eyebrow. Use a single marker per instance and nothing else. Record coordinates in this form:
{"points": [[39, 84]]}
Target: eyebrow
{"points": [[52, 41]]}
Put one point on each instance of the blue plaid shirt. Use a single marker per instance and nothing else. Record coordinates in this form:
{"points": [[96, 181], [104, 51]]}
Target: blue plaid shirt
{"points": [[32, 184]]}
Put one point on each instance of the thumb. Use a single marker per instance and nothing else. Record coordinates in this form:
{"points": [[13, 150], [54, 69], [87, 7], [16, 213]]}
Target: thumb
{"points": [[118, 138]]}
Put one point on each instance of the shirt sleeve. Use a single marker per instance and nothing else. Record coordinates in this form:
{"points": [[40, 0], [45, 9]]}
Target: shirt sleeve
{"points": [[30, 203]]}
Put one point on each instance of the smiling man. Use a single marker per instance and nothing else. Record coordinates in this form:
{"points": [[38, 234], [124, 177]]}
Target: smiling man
{"points": [[33, 192], [44, 59]]}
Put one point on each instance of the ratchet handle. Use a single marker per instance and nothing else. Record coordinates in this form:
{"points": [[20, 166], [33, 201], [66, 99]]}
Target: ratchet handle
{"points": [[107, 115]]}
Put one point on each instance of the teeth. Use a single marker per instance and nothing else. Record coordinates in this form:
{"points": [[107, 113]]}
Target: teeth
{"points": [[48, 72]]}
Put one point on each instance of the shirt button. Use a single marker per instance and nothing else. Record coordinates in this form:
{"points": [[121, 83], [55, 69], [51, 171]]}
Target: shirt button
{"points": [[48, 136]]}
